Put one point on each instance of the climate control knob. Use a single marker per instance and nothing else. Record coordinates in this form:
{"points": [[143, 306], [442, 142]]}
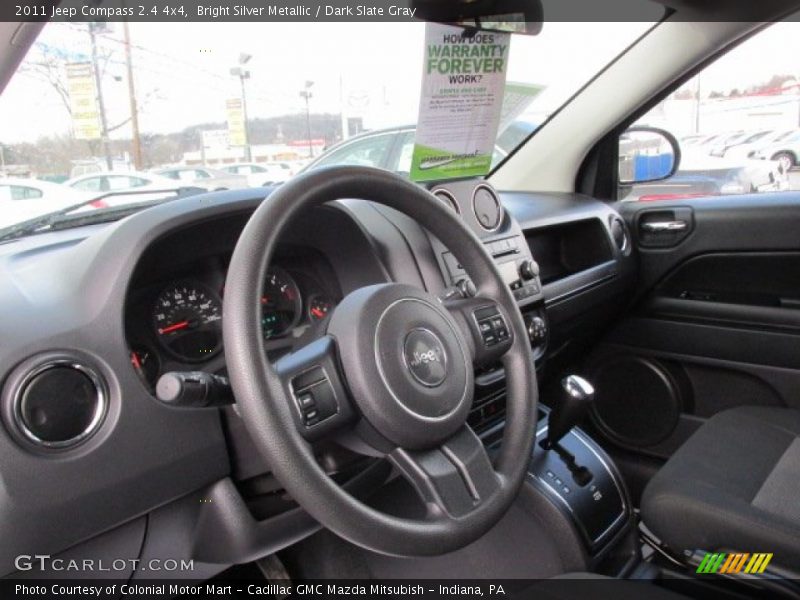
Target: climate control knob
{"points": [[528, 269], [537, 331]]}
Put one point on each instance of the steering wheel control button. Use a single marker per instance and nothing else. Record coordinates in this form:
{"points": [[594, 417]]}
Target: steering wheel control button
{"points": [[59, 404], [306, 401], [492, 326], [425, 357], [314, 396]]}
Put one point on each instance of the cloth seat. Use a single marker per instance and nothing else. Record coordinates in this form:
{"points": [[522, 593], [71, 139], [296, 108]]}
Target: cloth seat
{"points": [[732, 486]]}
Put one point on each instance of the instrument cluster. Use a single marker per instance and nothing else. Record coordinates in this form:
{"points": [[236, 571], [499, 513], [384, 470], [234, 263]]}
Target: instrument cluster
{"points": [[176, 324]]}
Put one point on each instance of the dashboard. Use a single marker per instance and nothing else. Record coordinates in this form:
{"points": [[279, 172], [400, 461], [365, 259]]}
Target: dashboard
{"points": [[128, 301]]}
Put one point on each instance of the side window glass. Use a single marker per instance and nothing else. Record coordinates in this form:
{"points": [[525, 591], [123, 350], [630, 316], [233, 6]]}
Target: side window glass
{"points": [[21, 192], [117, 182], [737, 124], [186, 175], [93, 184]]}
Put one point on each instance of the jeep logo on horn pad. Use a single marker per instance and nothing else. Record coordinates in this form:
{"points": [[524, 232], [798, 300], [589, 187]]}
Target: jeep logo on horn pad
{"points": [[425, 357]]}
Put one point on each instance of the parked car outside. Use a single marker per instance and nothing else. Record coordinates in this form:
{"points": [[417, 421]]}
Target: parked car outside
{"points": [[786, 151], [127, 181], [749, 149], [261, 174], [392, 148], [210, 179], [22, 199], [699, 140], [702, 175], [97, 165], [746, 137]]}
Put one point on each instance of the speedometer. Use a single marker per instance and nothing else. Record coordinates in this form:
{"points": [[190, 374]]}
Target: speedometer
{"points": [[281, 304], [188, 321]]}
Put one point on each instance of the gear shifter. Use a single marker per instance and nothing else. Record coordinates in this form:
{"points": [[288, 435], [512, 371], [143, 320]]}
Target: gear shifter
{"points": [[576, 398]]}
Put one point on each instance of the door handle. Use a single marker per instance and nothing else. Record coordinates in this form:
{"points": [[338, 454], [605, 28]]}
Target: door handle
{"points": [[663, 226]]}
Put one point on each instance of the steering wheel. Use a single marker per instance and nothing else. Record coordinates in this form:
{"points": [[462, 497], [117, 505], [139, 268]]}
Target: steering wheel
{"points": [[395, 370]]}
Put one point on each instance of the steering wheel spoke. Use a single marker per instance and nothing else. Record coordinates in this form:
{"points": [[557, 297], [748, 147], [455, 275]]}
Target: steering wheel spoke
{"points": [[485, 324], [453, 479], [315, 387]]}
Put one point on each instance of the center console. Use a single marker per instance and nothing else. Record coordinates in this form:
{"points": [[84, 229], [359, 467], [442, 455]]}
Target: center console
{"points": [[575, 473], [568, 470], [480, 208]]}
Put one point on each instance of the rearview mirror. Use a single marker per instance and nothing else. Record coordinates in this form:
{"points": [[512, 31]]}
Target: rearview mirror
{"points": [[647, 154], [505, 16]]}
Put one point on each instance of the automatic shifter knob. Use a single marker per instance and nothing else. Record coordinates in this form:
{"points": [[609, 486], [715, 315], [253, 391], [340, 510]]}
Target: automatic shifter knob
{"points": [[577, 395]]}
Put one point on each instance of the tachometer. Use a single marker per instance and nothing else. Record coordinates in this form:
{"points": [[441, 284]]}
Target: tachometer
{"points": [[281, 303], [188, 321]]}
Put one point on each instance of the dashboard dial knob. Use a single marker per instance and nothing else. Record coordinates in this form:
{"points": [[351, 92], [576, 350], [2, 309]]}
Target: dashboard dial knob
{"points": [[528, 269]]}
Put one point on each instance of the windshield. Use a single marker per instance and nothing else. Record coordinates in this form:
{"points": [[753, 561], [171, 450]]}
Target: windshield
{"points": [[99, 110]]}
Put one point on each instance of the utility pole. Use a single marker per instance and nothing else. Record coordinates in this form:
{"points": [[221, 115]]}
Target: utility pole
{"points": [[248, 156], [342, 104], [137, 145], [100, 103], [307, 95], [243, 74], [697, 104]]}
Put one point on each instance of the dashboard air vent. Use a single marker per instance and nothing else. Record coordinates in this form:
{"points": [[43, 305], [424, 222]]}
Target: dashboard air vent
{"points": [[59, 403], [487, 208], [448, 199]]}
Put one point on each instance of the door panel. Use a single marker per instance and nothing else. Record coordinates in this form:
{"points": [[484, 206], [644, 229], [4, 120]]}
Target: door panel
{"points": [[716, 322]]}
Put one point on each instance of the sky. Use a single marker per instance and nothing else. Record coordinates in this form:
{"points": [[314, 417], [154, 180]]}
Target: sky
{"points": [[182, 72]]}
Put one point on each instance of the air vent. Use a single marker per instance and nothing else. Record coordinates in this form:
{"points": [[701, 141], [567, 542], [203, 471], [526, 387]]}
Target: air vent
{"points": [[620, 234], [448, 199], [487, 208], [59, 403]]}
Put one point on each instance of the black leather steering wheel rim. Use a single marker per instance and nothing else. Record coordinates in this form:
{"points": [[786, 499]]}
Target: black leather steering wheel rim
{"points": [[262, 396]]}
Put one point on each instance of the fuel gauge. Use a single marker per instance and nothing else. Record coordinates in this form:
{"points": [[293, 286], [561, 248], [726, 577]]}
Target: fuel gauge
{"points": [[319, 306], [146, 364]]}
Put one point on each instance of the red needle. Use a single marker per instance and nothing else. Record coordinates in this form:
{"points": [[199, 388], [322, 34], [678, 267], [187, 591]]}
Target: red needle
{"points": [[174, 327], [317, 313]]}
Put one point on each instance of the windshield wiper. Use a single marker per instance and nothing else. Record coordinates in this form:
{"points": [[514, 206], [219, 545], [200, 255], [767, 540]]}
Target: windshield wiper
{"points": [[60, 216]]}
